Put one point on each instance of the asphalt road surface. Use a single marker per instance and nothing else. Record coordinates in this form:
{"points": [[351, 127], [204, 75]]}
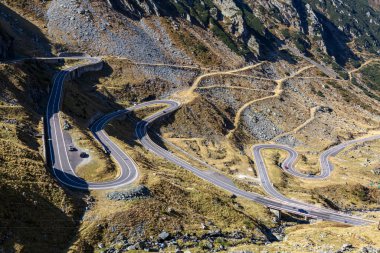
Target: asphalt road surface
{"points": [[58, 150], [128, 169], [279, 202]]}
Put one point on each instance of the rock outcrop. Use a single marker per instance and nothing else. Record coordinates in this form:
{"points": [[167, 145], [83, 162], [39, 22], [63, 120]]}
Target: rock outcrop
{"points": [[249, 28], [232, 16], [138, 192]]}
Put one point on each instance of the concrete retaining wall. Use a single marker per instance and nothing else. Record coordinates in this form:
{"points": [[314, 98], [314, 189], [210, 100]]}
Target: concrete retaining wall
{"points": [[73, 54], [97, 66], [52, 60]]}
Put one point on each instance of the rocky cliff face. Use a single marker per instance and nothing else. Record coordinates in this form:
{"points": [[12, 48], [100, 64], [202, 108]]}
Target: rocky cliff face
{"points": [[250, 26], [253, 29]]}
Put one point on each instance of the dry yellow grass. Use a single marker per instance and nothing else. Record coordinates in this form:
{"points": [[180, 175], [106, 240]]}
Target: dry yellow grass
{"points": [[98, 167], [322, 237], [348, 187], [34, 208], [192, 201], [164, 178]]}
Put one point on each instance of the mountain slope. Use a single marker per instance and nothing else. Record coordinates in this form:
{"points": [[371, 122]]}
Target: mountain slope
{"points": [[293, 72]]}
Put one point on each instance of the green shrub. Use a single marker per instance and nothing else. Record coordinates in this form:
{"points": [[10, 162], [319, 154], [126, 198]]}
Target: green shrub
{"points": [[320, 93], [223, 36], [371, 74], [253, 22]]}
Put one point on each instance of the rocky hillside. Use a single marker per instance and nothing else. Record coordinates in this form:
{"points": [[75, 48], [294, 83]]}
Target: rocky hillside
{"points": [[252, 27], [248, 28], [326, 30], [302, 73]]}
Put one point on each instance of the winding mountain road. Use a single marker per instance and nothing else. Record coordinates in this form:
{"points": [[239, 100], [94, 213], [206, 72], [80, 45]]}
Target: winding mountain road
{"points": [[280, 202], [128, 169], [58, 149]]}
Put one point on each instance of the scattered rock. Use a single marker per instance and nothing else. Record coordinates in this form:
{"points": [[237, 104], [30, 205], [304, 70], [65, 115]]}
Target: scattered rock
{"points": [[81, 11], [288, 140], [324, 109], [164, 235], [279, 237], [376, 171], [66, 125], [170, 210], [10, 121], [259, 125], [209, 223], [369, 249], [138, 192], [346, 247], [131, 247], [207, 245]]}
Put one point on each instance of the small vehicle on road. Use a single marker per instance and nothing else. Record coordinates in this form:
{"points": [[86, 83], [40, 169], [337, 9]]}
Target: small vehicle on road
{"points": [[107, 151], [72, 148], [302, 210], [83, 155], [286, 167]]}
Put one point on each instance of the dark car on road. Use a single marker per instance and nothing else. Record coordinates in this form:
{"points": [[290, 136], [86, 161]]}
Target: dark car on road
{"points": [[302, 211], [83, 155]]}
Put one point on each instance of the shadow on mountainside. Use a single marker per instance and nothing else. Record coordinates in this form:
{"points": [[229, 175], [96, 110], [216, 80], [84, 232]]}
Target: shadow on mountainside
{"points": [[36, 215], [84, 102], [27, 38], [30, 221], [336, 41], [302, 12], [30, 93]]}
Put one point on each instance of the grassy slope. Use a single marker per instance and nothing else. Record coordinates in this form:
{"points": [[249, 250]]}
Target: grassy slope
{"points": [[121, 99], [179, 204], [34, 209], [322, 237], [192, 199], [371, 77]]}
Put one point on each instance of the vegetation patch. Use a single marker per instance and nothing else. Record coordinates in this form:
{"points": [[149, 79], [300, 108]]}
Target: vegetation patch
{"points": [[371, 76]]}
